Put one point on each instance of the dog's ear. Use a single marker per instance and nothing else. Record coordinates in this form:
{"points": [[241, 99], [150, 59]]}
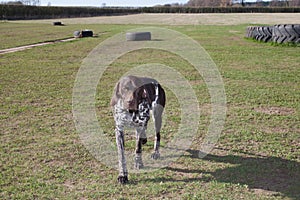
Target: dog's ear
{"points": [[140, 94], [116, 95], [145, 94]]}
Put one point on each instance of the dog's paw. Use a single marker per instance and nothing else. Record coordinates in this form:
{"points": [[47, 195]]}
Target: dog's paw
{"points": [[155, 155], [123, 179], [144, 141]]}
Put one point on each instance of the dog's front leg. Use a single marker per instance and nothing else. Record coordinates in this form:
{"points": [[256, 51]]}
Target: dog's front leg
{"points": [[123, 173], [140, 140], [157, 117]]}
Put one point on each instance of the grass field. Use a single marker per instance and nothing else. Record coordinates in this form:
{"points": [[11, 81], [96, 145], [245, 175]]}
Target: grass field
{"points": [[42, 156]]}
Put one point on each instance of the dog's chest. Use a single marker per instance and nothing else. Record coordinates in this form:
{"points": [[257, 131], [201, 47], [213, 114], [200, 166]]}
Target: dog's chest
{"points": [[138, 118]]}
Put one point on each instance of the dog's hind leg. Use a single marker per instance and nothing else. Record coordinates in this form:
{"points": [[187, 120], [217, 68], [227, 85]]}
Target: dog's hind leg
{"points": [[157, 111], [123, 173], [140, 134]]}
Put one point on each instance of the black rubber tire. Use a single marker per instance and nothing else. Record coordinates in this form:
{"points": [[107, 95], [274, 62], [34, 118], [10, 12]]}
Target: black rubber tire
{"points": [[252, 32], [248, 32], [260, 33], [283, 33], [83, 33], [87, 33], [138, 36], [57, 24], [264, 33]]}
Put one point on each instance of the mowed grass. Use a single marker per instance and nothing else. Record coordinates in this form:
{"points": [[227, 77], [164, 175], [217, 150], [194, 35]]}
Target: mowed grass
{"points": [[42, 156]]}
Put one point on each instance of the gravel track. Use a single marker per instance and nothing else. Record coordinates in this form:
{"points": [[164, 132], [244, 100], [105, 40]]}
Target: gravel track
{"points": [[22, 48]]}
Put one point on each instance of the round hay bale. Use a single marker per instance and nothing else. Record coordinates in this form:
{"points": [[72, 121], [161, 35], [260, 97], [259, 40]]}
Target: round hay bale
{"points": [[138, 36]]}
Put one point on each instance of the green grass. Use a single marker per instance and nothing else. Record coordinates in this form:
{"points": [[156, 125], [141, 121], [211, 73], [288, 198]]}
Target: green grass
{"points": [[42, 157]]}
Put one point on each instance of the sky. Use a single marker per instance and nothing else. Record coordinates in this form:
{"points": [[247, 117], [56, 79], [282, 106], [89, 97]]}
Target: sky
{"points": [[133, 3]]}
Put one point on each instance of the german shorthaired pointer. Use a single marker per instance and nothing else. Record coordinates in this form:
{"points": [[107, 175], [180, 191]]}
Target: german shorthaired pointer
{"points": [[132, 100]]}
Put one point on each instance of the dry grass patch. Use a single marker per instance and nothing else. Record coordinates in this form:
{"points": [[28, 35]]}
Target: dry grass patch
{"points": [[186, 19]]}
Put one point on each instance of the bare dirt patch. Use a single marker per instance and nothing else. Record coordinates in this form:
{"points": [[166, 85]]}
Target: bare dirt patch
{"points": [[275, 110], [265, 192]]}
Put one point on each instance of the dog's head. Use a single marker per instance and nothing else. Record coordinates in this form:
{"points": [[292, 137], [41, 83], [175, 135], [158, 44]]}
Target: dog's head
{"points": [[130, 90]]}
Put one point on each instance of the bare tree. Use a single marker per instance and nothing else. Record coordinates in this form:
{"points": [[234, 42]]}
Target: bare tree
{"points": [[259, 3], [294, 3], [243, 4], [225, 3], [279, 3], [31, 2], [208, 3], [36, 2], [14, 3]]}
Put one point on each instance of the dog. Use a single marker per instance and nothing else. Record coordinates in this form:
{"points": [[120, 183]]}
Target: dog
{"points": [[133, 98]]}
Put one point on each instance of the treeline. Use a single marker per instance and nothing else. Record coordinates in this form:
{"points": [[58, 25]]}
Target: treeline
{"points": [[13, 12], [165, 9], [257, 3], [18, 12], [243, 3]]}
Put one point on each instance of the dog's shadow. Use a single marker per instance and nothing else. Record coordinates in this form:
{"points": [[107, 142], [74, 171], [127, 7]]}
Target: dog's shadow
{"points": [[271, 174]]}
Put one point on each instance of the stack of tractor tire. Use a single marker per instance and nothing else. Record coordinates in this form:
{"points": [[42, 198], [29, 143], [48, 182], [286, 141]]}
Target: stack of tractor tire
{"points": [[281, 33]]}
